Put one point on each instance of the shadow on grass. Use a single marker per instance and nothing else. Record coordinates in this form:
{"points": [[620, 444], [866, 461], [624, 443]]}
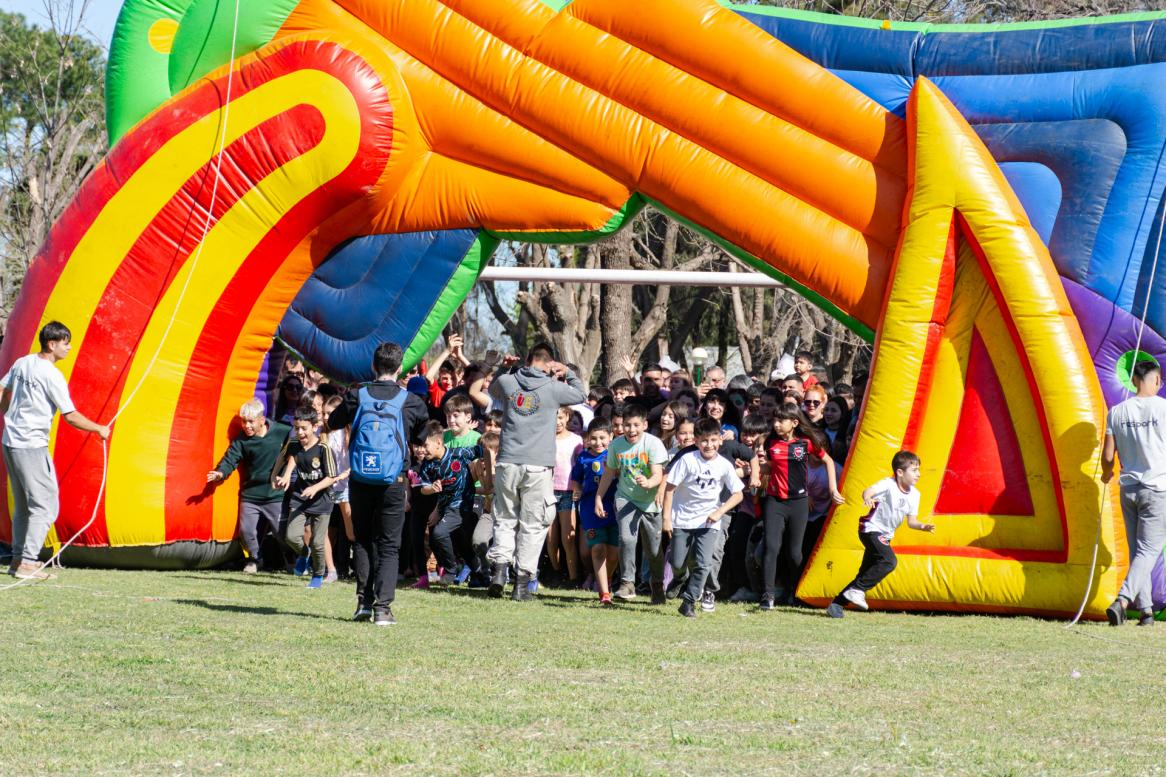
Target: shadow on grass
{"points": [[262, 579], [253, 610]]}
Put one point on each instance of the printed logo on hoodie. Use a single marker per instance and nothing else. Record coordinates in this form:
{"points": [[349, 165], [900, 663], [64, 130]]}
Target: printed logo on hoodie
{"points": [[525, 403]]}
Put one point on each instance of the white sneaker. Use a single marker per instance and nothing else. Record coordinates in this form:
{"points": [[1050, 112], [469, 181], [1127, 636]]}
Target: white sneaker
{"points": [[708, 602], [856, 597]]}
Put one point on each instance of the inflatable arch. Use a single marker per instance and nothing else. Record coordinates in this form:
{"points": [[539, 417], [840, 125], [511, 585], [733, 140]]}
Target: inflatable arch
{"points": [[982, 202]]}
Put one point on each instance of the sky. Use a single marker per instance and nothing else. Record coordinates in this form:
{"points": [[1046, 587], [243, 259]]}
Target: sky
{"points": [[98, 20]]}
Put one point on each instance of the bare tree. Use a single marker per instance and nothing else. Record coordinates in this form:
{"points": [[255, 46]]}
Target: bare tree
{"points": [[52, 129]]}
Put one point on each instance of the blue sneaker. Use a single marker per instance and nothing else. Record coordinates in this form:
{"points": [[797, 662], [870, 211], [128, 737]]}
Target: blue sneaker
{"points": [[532, 586], [463, 575], [301, 568], [317, 581]]}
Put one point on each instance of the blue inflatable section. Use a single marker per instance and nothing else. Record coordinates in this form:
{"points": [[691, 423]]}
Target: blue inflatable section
{"points": [[371, 290], [1075, 115]]}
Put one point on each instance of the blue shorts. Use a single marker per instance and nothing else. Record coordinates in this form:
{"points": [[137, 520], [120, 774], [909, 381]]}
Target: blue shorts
{"points": [[603, 535], [563, 501]]}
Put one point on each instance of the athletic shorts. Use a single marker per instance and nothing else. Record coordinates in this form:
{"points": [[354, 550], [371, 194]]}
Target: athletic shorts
{"points": [[603, 535], [563, 501]]}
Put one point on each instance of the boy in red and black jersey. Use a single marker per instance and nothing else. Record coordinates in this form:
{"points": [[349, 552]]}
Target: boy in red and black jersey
{"points": [[785, 508]]}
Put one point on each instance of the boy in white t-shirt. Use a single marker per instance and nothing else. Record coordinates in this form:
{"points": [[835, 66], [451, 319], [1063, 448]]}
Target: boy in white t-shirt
{"points": [[693, 508], [34, 391], [892, 501]]}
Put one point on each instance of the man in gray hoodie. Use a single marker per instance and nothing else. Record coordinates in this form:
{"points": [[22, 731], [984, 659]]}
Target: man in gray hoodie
{"points": [[524, 497]]}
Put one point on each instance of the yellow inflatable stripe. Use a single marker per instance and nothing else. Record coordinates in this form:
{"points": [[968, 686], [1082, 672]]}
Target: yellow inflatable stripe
{"points": [[140, 449]]}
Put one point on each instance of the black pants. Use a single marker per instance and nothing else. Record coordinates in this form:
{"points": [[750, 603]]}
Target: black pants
{"points": [[464, 537], [442, 536], [878, 561], [422, 506], [378, 516], [733, 572], [785, 526]]}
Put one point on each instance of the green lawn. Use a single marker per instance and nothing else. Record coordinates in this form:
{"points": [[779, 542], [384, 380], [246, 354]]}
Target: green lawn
{"points": [[219, 673]]}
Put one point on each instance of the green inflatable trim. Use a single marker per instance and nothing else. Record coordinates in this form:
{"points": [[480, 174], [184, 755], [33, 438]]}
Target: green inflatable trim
{"points": [[851, 323], [137, 76], [140, 78], [856, 21], [456, 291], [624, 215], [203, 42]]}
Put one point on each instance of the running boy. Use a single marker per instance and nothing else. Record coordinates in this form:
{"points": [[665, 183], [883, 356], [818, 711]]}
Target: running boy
{"points": [[892, 501], [311, 497], [445, 472], [637, 459], [602, 534], [255, 449], [693, 508]]}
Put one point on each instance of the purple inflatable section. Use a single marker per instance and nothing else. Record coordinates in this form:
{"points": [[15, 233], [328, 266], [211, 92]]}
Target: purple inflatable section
{"points": [[1110, 332]]}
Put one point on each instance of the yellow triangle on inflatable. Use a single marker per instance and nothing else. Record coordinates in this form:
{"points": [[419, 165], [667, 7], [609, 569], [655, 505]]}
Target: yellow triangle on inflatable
{"points": [[969, 265]]}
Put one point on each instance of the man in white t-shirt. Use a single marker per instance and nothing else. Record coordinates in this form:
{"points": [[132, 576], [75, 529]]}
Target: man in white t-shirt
{"points": [[892, 501], [693, 508], [34, 391], [1136, 432]]}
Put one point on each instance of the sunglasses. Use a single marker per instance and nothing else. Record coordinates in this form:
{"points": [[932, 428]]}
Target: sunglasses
{"points": [[812, 402]]}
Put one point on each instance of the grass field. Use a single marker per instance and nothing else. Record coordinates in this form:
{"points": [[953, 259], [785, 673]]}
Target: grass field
{"points": [[219, 673]]}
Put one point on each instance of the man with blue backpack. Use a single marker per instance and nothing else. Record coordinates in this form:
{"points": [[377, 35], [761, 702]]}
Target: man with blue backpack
{"points": [[385, 419]]}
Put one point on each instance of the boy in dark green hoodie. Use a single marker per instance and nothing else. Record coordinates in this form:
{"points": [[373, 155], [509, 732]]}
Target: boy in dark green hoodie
{"points": [[255, 449]]}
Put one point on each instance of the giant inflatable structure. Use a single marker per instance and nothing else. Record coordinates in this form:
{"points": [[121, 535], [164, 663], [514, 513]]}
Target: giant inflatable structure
{"points": [[984, 203]]}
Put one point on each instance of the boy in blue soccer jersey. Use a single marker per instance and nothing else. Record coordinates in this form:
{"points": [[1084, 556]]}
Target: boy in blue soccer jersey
{"points": [[602, 534], [445, 471]]}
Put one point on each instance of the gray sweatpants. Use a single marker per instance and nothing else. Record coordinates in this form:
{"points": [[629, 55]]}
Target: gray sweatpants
{"points": [[250, 514], [524, 506], [35, 500], [295, 537], [702, 543], [1144, 511], [631, 521]]}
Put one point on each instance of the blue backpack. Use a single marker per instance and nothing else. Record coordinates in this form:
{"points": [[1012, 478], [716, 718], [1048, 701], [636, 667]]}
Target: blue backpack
{"points": [[377, 451]]}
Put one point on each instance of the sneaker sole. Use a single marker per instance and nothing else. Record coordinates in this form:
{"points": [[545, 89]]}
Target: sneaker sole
{"points": [[860, 604], [384, 623]]}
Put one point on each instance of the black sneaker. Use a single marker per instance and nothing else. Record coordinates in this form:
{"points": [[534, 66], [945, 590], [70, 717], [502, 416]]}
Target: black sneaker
{"points": [[687, 609], [384, 617], [1147, 619], [659, 595], [363, 614], [767, 603], [497, 581], [835, 610], [521, 592], [1116, 613]]}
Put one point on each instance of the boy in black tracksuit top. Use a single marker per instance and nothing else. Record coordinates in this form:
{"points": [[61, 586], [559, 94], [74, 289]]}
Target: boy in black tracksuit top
{"points": [[311, 497]]}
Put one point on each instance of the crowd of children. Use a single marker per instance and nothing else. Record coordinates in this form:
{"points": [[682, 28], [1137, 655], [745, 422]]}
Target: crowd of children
{"points": [[659, 487]]}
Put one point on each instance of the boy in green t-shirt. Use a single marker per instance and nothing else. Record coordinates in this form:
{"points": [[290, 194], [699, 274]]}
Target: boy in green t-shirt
{"points": [[459, 423], [637, 459]]}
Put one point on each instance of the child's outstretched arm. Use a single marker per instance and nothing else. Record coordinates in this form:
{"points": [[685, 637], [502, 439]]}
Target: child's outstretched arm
{"points": [[610, 472], [281, 482], [666, 509], [733, 500], [914, 523], [832, 481]]}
